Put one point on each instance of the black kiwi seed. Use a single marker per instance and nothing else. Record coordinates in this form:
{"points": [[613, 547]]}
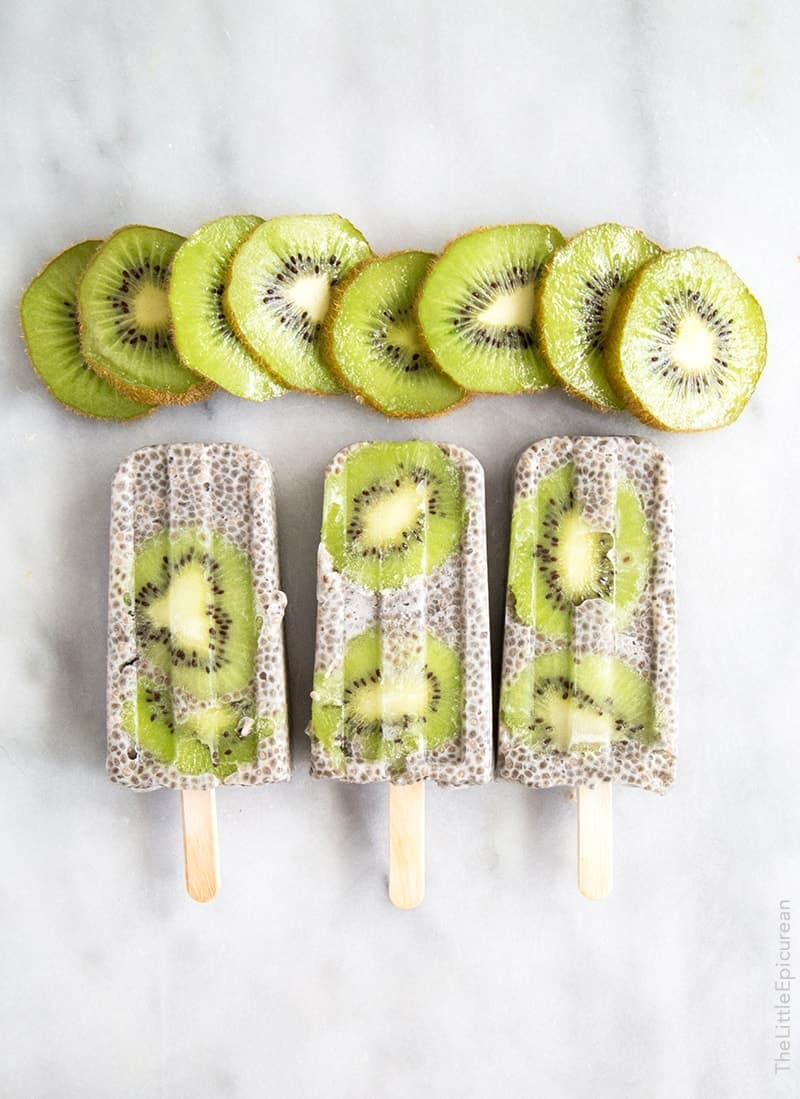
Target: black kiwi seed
{"points": [[598, 286]]}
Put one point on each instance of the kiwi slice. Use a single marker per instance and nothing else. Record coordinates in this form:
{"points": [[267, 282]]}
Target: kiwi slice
{"points": [[476, 308], [576, 300], [202, 334], [687, 342], [216, 740], [149, 723], [559, 703], [195, 611], [49, 316], [125, 321], [372, 342], [373, 710], [278, 292], [557, 560], [392, 511]]}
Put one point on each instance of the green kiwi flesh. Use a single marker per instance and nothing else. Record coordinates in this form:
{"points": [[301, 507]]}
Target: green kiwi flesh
{"points": [[576, 300], [278, 292], [201, 332], [49, 317], [374, 709], [476, 308], [687, 343], [372, 341], [392, 511], [557, 561], [214, 740], [560, 703], [125, 320], [195, 611]]}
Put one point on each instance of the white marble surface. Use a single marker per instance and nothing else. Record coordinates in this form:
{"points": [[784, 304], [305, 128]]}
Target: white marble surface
{"points": [[417, 121]]}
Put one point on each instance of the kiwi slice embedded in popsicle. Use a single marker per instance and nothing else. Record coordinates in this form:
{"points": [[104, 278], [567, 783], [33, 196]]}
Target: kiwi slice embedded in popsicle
{"points": [[576, 300], [558, 561], [368, 710], [278, 292], [149, 723], [202, 334], [476, 308], [49, 317], [215, 740], [687, 342], [560, 703], [371, 339], [125, 320], [195, 611], [392, 511]]}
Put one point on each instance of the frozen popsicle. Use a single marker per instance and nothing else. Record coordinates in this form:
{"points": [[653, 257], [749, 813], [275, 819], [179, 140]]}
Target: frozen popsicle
{"points": [[196, 679], [588, 691], [402, 684]]}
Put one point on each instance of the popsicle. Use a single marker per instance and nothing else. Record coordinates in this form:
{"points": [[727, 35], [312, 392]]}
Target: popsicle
{"points": [[402, 684], [196, 677], [588, 690]]}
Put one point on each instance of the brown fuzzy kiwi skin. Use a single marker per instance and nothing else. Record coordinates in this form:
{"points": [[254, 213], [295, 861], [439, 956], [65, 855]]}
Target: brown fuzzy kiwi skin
{"points": [[556, 382], [155, 396], [199, 392], [330, 358], [615, 372], [260, 358], [566, 386], [77, 411], [188, 366]]}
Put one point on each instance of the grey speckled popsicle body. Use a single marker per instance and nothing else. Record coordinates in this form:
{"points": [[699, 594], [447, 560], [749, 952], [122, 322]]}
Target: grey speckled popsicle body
{"points": [[225, 490], [647, 644], [452, 604]]}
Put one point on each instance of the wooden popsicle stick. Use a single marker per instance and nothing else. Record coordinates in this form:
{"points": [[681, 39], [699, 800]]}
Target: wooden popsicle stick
{"points": [[594, 840], [200, 847], [406, 844]]}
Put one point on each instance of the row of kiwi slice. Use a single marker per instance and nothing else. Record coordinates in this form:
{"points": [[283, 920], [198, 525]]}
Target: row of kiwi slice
{"points": [[301, 302]]}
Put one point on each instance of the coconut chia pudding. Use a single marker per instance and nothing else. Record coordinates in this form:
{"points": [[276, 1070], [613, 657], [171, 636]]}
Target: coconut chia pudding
{"points": [[402, 685], [196, 675], [588, 689]]}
